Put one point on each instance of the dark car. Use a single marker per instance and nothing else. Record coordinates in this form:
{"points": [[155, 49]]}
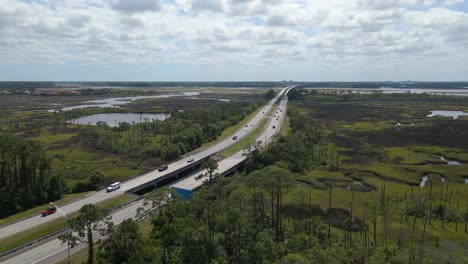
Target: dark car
{"points": [[49, 211], [163, 167], [234, 137], [274, 127]]}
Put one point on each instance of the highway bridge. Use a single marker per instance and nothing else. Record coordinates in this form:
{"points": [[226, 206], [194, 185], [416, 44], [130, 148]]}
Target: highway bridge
{"points": [[54, 250]]}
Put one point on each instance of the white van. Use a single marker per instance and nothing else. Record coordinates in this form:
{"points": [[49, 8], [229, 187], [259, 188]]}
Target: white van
{"points": [[114, 186]]}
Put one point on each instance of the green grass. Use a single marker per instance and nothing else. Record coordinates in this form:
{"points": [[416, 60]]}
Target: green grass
{"points": [[146, 227], [51, 226], [367, 126], [341, 198], [449, 153], [75, 164], [78, 257], [390, 172], [21, 114], [115, 201], [31, 234], [245, 141], [38, 209], [49, 138], [285, 128], [229, 131], [398, 164], [406, 155], [82, 256]]}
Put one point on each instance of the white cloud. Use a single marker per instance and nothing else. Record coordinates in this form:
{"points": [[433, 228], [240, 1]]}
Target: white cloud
{"points": [[135, 6], [270, 33], [452, 2]]}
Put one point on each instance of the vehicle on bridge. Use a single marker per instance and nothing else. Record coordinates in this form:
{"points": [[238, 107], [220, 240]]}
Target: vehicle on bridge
{"points": [[114, 186], [49, 211], [234, 137], [190, 159], [163, 167]]}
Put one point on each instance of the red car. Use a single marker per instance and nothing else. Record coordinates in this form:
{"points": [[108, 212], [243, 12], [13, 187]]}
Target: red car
{"points": [[49, 211]]}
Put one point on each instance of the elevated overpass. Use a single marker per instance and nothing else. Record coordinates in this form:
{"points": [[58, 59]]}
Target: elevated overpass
{"points": [[54, 251], [153, 178]]}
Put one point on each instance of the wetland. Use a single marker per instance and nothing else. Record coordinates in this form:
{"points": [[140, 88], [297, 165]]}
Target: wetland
{"points": [[388, 144], [115, 119]]}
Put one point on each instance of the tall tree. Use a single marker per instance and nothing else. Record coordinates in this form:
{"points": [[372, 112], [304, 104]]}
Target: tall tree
{"points": [[154, 201], [270, 94], [210, 166], [123, 242], [96, 179], [83, 227], [277, 180]]}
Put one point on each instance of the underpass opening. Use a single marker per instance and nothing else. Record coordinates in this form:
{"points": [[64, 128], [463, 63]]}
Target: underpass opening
{"points": [[166, 181]]}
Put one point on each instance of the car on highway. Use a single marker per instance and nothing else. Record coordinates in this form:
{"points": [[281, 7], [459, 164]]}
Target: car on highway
{"points": [[274, 127], [114, 186], [259, 142], [234, 137], [49, 211], [190, 159], [163, 167]]}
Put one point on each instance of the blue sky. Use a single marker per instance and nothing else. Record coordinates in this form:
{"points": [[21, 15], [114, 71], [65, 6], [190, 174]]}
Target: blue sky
{"points": [[233, 40]]}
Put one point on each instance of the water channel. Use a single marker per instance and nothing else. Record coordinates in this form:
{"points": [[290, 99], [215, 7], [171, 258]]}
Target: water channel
{"points": [[114, 119], [450, 162], [453, 114], [117, 101]]}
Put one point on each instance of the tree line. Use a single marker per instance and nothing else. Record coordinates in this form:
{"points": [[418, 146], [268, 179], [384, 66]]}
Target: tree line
{"points": [[243, 218], [169, 139], [307, 146], [26, 179]]}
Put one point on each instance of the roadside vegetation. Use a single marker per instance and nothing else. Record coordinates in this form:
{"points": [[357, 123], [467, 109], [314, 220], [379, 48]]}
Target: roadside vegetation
{"points": [[343, 185], [44, 156], [326, 193], [54, 225]]}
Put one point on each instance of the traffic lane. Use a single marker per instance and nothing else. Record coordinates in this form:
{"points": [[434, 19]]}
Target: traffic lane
{"points": [[49, 251], [191, 182], [55, 250], [37, 220], [149, 176], [252, 125]]}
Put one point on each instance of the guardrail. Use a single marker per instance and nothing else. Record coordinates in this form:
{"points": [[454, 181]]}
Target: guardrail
{"points": [[58, 232], [55, 233], [32, 242]]}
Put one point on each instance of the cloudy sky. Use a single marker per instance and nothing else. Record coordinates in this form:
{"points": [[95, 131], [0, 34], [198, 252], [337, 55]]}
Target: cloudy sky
{"points": [[230, 40]]}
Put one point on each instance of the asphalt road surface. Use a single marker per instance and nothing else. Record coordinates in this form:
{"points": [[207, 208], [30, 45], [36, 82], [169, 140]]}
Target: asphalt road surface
{"points": [[9, 230], [193, 181]]}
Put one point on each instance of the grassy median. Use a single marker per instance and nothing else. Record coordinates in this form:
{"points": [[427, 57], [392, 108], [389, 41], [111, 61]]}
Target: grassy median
{"points": [[38, 209], [228, 131], [52, 226]]}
